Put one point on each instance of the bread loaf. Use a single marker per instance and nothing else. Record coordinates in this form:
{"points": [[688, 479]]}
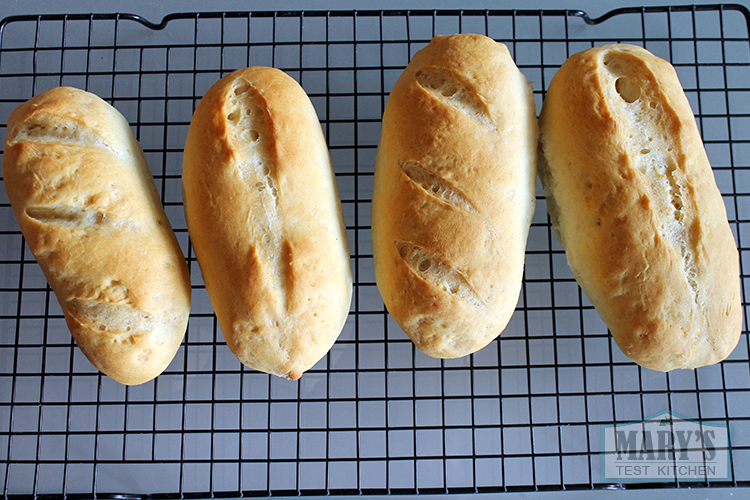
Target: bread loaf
{"points": [[90, 213], [634, 202], [454, 194], [266, 221]]}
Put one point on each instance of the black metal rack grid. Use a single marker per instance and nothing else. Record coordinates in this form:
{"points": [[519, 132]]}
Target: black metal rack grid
{"points": [[375, 415]]}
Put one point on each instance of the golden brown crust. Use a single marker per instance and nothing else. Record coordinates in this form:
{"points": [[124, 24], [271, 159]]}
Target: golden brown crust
{"points": [[90, 213], [634, 201], [454, 194], [266, 222]]}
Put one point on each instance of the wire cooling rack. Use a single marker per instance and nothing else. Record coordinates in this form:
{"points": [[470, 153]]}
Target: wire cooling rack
{"points": [[375, 415]]}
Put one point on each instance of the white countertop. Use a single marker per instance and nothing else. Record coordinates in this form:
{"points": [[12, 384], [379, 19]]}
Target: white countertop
{"points": [[155, 10]]}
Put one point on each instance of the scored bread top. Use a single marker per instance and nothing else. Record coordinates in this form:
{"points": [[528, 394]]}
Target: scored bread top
{"points": [[633, 199], [90, 213], [454, 193], [266, 221]]}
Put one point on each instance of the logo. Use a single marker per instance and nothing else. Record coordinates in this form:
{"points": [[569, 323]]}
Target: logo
{"points": [[666, 447]]}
